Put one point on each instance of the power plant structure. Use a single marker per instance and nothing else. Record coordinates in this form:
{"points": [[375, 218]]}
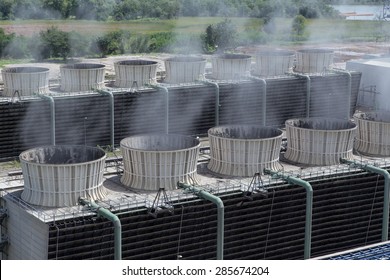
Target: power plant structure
{"points": [[256, 157]]}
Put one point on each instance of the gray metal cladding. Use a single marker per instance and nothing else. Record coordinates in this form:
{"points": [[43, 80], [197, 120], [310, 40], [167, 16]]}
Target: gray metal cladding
{"points": [[240, 103], [347, 213], [139, 113], [286, 98], [331, 97], [82, 120], [23, 125], [190, 110]]}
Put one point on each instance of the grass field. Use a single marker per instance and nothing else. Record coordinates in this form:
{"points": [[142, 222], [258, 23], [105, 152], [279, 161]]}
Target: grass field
{"points": [[318, 29], [181, 25]]}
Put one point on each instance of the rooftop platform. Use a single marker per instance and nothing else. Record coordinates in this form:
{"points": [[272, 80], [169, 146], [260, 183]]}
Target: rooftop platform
{"points": [[379, 251]]}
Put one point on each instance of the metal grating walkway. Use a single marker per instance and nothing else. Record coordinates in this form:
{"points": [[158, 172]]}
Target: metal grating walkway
{"points": [[376, 252]]}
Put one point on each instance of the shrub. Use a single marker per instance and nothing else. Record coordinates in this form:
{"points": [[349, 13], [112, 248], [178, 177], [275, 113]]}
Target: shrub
{"points": [[298, 28], [161, 41], [112, 43], [54, 43], [138, 44], [4, 41], [219, 37]]}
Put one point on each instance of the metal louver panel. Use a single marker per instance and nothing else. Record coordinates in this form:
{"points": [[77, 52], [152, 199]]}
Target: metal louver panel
{"points": [[346, 214]]}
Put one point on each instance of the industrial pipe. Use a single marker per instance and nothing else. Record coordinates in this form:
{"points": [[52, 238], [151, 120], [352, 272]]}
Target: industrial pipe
{"points": [[309, 206], [221, 212], [349, 89], [52, 118], [308, 91], [165, 89], [114, 219], [264, 100], [217, 105], [112, 116], [386, 192]]}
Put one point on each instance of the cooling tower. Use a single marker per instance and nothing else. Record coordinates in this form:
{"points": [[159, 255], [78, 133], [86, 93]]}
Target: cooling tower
{"points": [[373, 133], [26, 81], [159, 161], [129, 72], [184, 69], [313, 60], [243, 150], [230, 66], [274, 63], [56, 176], [82, 77], [319, 141]]}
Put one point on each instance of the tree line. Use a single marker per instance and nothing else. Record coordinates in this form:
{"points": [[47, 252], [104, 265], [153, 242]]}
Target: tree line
{"points": [[54, 43], [164, 9]]}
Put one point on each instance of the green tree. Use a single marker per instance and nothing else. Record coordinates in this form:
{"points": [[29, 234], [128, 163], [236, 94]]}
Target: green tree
{"points": [[54, 44], [219, 37], [29, 9], [63, 8], [127, 9], [298, 28], [94, 9], [7, 9], [5, 39], [112, 43]]}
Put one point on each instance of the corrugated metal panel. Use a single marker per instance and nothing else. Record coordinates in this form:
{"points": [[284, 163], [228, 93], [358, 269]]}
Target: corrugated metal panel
{"points": [[346, 214], [330, 96], [241, 103], [191, 109], [82, 120], [139, 113], [85, 119], [23, 125], [286, 99], [355, 85]]}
